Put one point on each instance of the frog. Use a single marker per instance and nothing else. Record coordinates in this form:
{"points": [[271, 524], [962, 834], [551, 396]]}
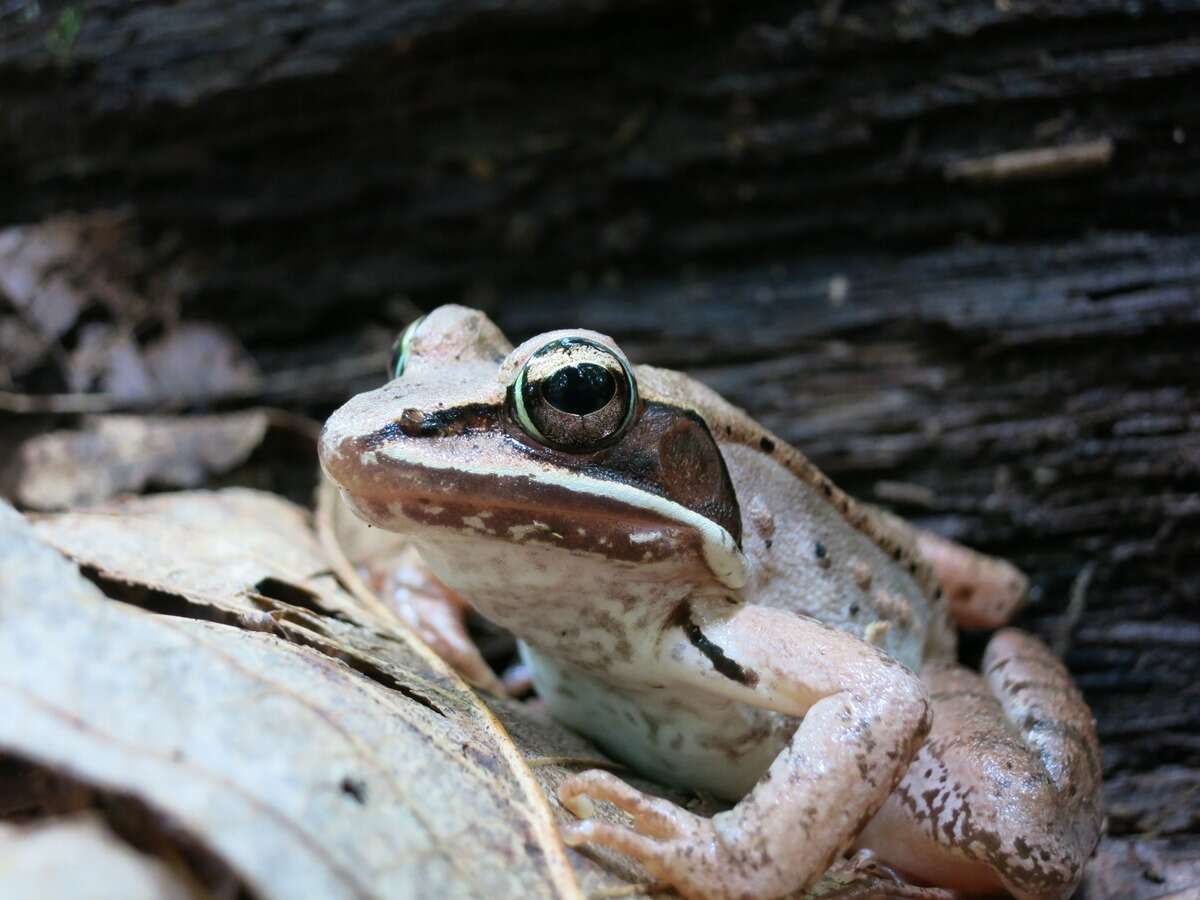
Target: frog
{"points": [[697, 598]]}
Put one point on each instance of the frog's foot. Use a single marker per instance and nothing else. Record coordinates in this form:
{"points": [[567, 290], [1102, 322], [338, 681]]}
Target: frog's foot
{"points": [[672, 844], [1004, 795]]}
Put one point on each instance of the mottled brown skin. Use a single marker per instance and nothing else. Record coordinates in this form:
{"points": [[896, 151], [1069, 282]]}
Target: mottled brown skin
{"points": [[706, 605]]}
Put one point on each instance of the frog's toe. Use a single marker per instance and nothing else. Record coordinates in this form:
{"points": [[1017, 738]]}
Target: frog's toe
{"points": [[678, 861], [652, 815], [592, 831]]}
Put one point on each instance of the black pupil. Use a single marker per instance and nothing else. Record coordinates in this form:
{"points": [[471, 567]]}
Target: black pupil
{"points": [[579, 389]]}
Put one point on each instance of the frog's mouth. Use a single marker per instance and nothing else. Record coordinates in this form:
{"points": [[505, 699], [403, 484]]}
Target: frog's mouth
{"points": [[459, 471]]}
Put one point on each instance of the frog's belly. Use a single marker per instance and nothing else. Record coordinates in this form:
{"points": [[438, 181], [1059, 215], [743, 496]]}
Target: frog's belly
{"points": [[687, 740]]}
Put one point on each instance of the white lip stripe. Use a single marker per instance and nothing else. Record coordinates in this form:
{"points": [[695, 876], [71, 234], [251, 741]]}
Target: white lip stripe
{"points": [[720, 551]]}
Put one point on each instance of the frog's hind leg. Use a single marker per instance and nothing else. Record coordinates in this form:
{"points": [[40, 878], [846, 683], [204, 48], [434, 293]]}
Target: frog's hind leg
{"points": [[1004, 795], [981, 591]]}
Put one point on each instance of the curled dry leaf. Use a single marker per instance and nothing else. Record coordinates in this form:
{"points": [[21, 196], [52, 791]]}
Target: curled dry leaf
{"points": [[21, 348], [244, 553], [101, 867], [41, 272], [110, 455], [62, 273], [192, 361], [302, 775]]}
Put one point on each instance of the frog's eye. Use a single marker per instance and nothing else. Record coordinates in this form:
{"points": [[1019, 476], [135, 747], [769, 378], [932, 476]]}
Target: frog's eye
{"points": [[400, 348], [575, 394]]}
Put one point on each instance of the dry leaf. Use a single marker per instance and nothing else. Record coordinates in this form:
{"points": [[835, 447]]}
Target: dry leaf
{"points": [[193, 361], [53, 270], [198, 360], [59, 272], [302, 775], [21, 348], [115, 454], [40, 273], [100, 867], [239, 551]]}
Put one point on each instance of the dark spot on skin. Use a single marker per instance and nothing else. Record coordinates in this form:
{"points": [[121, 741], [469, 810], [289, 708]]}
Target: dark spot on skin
{"points": [[820, 550], [863, 770], [622, 649], [682, 616], [767, 445], [769, 542], [853, 609], [355, 788]]}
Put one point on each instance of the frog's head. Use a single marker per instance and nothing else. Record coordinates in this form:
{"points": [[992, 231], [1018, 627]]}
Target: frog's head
{"points": [[537, 469]]}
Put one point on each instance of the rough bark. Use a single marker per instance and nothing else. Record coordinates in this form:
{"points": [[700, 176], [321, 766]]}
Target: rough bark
{"points": [[333, 155], [816, 208]]}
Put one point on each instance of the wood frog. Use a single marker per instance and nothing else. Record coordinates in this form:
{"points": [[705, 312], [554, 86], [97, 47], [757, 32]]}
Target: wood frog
{"points": [[696, 597]]}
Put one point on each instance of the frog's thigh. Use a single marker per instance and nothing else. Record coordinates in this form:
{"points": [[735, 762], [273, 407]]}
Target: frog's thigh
{"points": [[864, 716], [1005, 793]]}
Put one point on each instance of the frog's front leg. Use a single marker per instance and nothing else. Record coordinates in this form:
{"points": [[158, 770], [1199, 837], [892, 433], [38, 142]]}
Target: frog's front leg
{"points": [[1005, 794], [864, 717], [436, 613]]}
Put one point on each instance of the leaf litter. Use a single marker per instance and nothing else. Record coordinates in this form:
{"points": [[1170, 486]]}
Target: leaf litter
{"points": [[111, 455], [307, 778]]}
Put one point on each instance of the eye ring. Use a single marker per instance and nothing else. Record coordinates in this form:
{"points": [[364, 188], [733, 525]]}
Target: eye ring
{"points": [[575, 394], [401, 347]]}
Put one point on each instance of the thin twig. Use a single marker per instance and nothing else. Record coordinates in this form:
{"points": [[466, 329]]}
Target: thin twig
{"points": [[282, 385], [1076, 606], [1040, 162]]}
